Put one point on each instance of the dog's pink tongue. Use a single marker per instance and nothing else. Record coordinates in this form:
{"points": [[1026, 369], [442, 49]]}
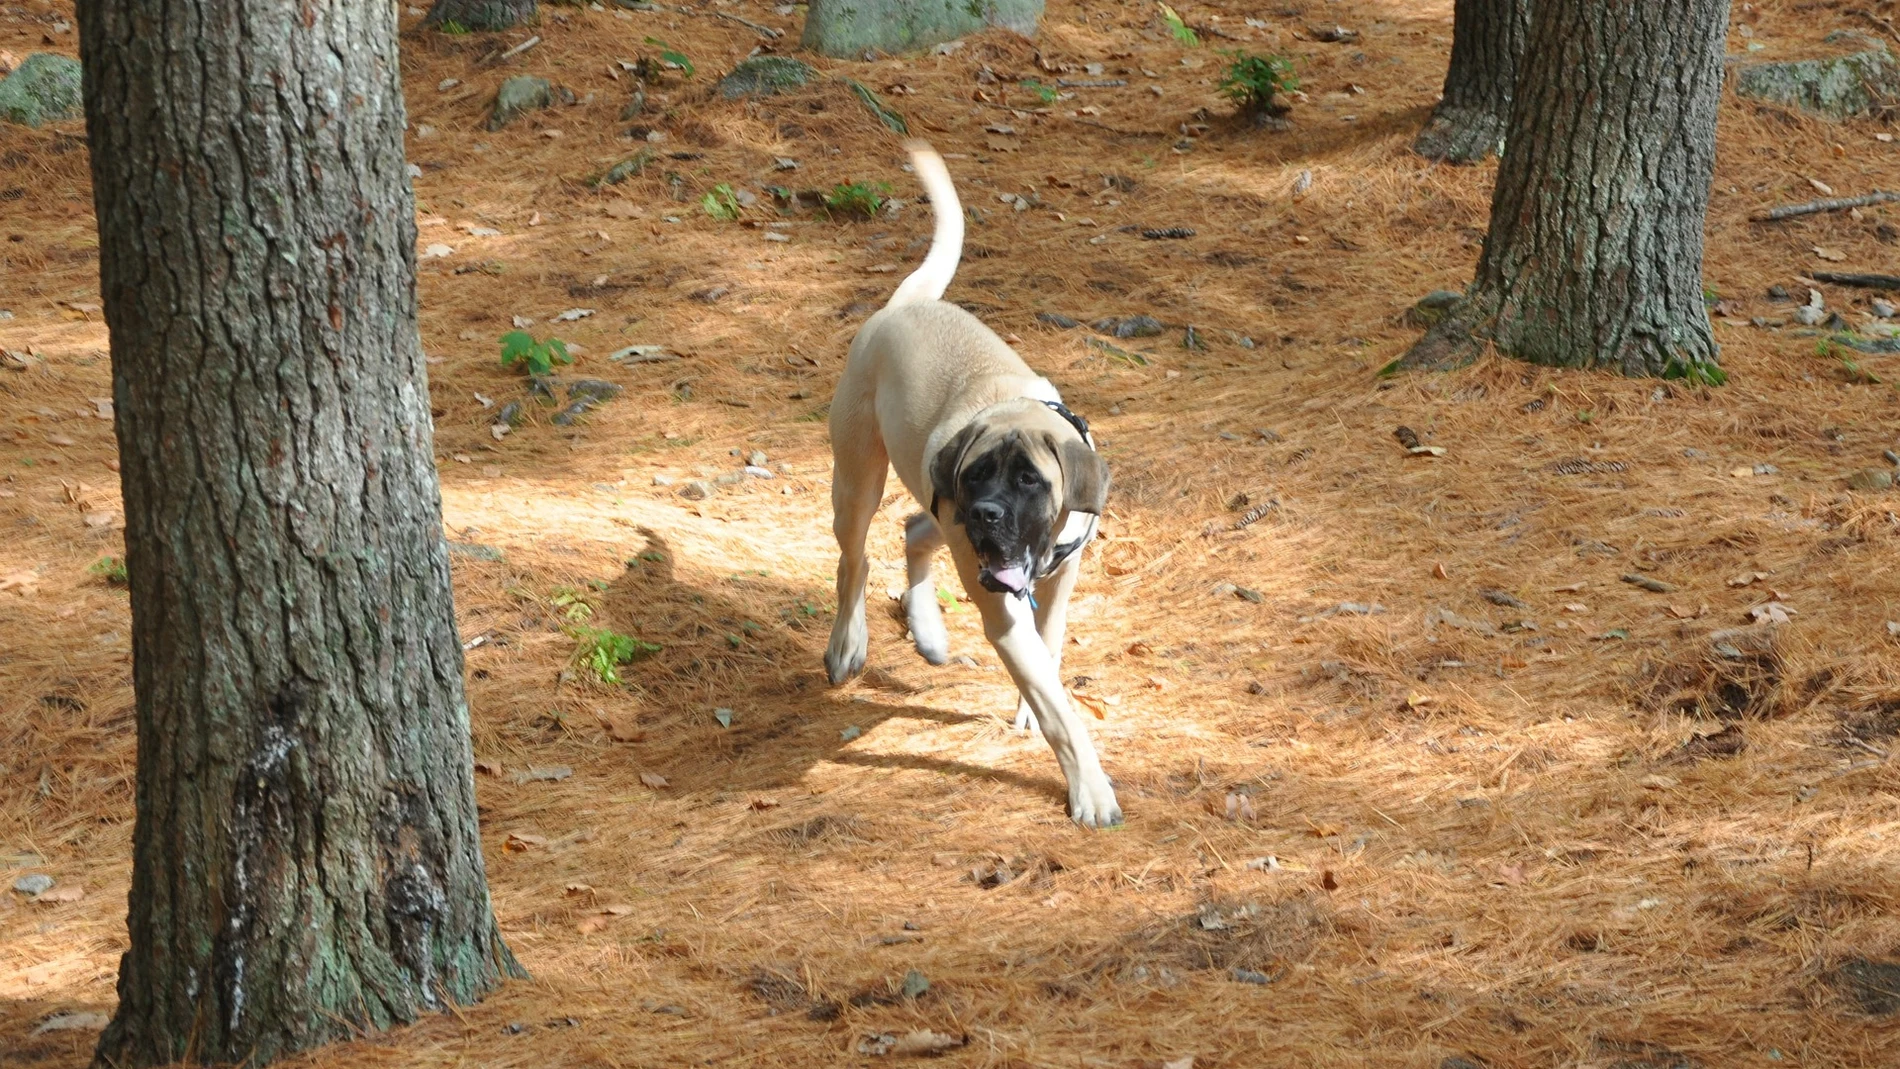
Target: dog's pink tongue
{"points": [[1011, 577]]}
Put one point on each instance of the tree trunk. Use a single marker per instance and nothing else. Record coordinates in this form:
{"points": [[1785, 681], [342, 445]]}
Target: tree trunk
{"points": [[480, 15], [1487, 37], [1594, 258], [306, 860]]}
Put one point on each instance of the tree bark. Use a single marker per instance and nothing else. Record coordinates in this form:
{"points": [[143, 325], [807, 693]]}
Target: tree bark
{"points": [[306, 857], [1487, 39], [1594, 257], [480, 15]]}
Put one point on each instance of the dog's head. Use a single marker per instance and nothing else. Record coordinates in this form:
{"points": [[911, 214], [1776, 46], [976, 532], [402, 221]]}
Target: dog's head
{"points": [[1012, 477]]}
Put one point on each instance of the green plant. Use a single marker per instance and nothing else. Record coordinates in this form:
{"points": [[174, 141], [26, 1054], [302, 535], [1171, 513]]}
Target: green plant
{"points": [[721, 203], [1184, 35], [1046, 93], [857, 198], [572, 603], [452, 28], [669, 54], [602, 651], [1254, 83], [111, 569], [537, 357]]}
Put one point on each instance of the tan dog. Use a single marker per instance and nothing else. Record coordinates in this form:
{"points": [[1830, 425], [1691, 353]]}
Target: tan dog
{"points": [[1011, 478]]}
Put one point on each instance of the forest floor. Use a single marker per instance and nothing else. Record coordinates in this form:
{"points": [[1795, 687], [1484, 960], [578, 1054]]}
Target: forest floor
{"points": [[1411, 770]]}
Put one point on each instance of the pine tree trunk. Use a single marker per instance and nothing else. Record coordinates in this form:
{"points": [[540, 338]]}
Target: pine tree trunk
{"points": [[481, 15], [1487, 38], [1594, 258], [306, 859]]}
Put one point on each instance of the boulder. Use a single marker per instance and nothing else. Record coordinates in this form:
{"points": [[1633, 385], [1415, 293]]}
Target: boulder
{"points": [[44, 89], [847, 29], [762, 76], [1860, 77]]}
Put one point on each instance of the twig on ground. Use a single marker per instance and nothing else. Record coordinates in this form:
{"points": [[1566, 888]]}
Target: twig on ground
{"points": [[1832, 204], [518, 49], [1871, 282]]}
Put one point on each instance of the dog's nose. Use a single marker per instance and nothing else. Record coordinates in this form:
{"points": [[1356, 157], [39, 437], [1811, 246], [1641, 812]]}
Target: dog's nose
{"points": [[986, 512]]}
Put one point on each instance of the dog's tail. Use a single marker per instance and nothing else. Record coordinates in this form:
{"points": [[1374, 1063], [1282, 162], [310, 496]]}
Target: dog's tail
{"points": [[928, 282]]}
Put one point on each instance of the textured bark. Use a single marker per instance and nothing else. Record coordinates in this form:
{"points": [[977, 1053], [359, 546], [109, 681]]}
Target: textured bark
{"points": [[1487, 39], [1594, 258], [306, 859], [481, 15]]}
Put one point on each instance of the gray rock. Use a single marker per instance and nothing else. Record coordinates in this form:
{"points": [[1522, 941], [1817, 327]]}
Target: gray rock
{"points": [[763, 76], [846, 29], [1807, 315], [1874, 985], [1883, 309], [518, 96], [33, 883], [43, 89], [474, 551], [1871, 480], [1139, 326], [756, 458], [596, 390], [1860, 79], [1056, 319], [1431, 308], [663, 480], [696, 490]]}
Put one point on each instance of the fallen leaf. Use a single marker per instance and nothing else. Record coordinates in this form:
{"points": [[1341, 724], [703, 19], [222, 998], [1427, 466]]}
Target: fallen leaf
{"points": [[654, 780], [1658, 783], [593, 922], [1239, 807], [519, 841], [1092, 703], [59, 439], [1821, 187], [1438, 572], [1327, 881], [437, 251], [578, 890], [764, 803], [625, 729], [1568, 588], [540, 775], [1747, 578], [101, 407], [1682, 612], [1576, 606], [21, 582], [1179, 1063], [1831, 255], [924, 1041], [1416, 700], [1512, 874], [65, 892], [1771, 612]]}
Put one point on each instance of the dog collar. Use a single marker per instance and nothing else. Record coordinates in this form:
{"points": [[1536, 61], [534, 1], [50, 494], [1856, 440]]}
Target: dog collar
{"points": [[1081, 425]]}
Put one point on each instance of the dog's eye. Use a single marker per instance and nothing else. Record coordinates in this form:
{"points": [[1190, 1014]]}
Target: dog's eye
{"points": [[1028, 479]]}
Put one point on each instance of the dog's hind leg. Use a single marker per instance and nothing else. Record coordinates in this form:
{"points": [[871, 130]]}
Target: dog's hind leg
{"points": [[922, 539], [857, 487], [1052, 624]]}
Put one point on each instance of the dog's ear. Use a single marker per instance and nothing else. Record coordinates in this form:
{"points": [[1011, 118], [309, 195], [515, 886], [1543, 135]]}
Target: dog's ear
{"points": [[1084, 477], [948, 461]]}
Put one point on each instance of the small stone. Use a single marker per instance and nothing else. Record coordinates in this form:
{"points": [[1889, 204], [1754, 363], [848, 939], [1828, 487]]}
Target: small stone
{"points": [[1137, 326], [518, 96], [1883, 308], [758, 472], [1870, 480], [915, 984], [765, 76], [1056, 319], [1807, 315], [34, 883], [663, 480], [1431, 308], [756, 459], [696, 490], [474, 551]]}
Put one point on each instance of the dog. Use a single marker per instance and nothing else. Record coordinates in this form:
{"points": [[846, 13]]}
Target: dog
{"points": [[1010, 478]]}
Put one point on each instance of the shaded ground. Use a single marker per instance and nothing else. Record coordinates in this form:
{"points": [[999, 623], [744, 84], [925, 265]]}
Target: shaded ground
{"points": [[1569, 822]]}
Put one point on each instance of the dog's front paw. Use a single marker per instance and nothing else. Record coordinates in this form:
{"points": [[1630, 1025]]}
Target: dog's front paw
{"points": [[1026, 718], [1092, 802], [926, 625], [844, 657]]}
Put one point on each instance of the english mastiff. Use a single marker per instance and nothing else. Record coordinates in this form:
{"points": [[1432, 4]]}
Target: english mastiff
{"points": [[1010, 478]]}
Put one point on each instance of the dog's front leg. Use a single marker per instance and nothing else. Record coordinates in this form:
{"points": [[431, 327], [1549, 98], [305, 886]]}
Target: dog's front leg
{"points": [[922, 539], [1052, 622], [1010, 625]]}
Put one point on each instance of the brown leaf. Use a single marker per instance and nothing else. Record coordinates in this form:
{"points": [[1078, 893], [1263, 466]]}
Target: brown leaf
{"points": [[764, 803], [59, 439], [1512, 874], [1328, 881], [1747, 578], [593, 922], [1683, 612], [1771, 612], [625, 729], [1438, 571], [22, 582], [1092, 703], [654, 780], [578, 890], [1832, 255], [924, 1041], [1140, 649], [1239, 807], [519, 841], [100, 519], [1821, 187], [488, 768], [65, 892]]}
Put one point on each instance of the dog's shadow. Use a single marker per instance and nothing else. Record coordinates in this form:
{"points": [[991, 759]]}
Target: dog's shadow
{"points": [[721, 651]]}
